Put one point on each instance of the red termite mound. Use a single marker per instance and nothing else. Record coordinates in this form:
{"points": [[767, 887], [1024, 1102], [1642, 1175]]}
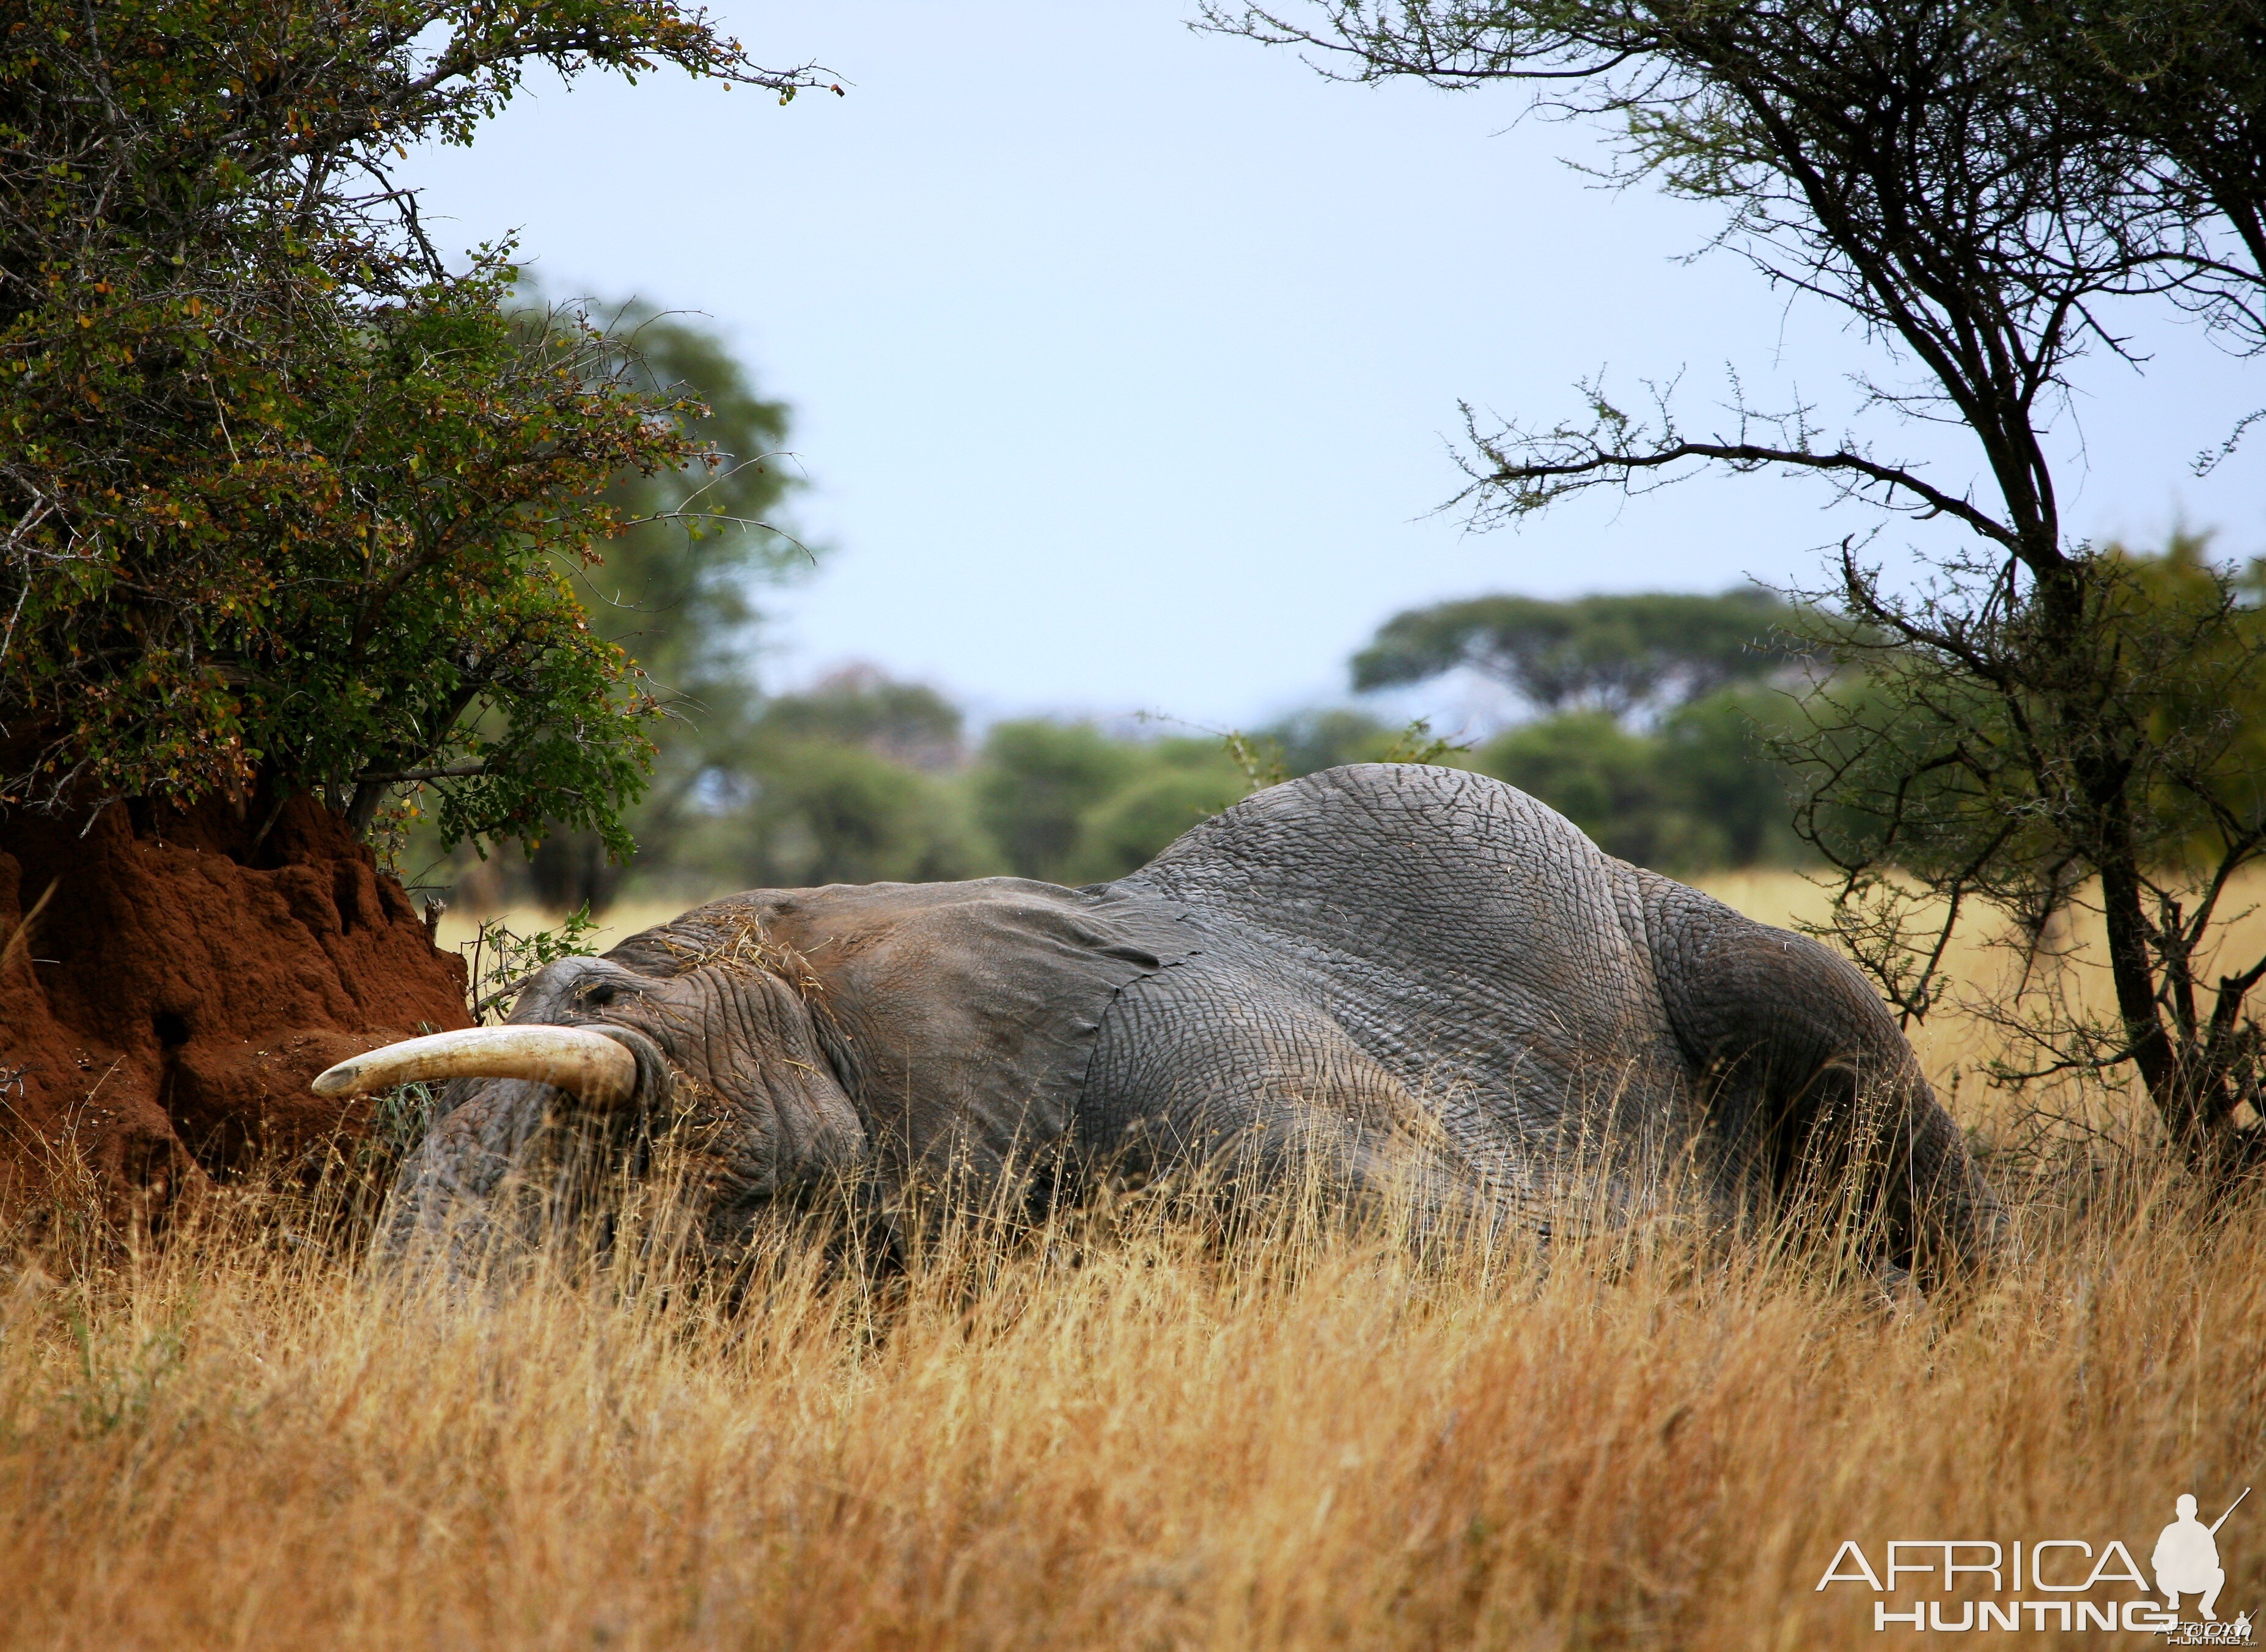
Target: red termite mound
{"points": [[183, 976]]}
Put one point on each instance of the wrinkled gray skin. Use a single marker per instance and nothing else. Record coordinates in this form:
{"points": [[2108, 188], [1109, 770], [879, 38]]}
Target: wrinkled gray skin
{"points": [[1394, 973]]}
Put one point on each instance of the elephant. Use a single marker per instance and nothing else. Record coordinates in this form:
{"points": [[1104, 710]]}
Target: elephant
{"points": [[1399, 975]]}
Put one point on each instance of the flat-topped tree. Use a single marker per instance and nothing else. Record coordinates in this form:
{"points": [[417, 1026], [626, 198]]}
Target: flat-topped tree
{"points": [[1615, 653]]}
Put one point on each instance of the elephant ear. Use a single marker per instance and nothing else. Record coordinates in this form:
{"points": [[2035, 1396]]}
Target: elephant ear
{"points": [[1809, 1074], [961, 1018]]}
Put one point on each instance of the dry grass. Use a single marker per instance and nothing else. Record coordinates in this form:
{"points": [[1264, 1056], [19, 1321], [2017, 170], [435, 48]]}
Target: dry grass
{"points": [[1127, 1434], [1153, 1440]]}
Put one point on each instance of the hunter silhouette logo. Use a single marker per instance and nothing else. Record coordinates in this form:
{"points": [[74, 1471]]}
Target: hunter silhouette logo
{"points": [[2186, 1560]]}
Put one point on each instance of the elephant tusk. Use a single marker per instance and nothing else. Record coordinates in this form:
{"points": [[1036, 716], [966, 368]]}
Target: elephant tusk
{"points": [[593, 1066]]}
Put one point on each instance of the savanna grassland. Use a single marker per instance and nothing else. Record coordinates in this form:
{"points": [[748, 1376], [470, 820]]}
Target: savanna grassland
{"points": [[1124, 1432]]}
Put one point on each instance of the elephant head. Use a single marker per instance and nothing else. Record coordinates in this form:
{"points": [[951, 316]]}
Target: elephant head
{"points": [[712, 1047]]}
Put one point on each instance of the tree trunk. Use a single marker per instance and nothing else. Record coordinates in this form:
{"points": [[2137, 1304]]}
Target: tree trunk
{"points": [[2072, 691], [570, 871], [2132, 972]]}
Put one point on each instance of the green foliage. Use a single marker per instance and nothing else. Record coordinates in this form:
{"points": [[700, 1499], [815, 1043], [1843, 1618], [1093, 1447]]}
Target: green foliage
{"points": [[291, 505], [829, 813], [1594, 771], [1172, 784], [856, 780], [909, 723], [2097, 746], [1601, 776], [1650, 707], [498, 959], [1126, 832], [674, 589], [1068, 803], [1739, 798], [400, 1119], [1691, 795], [1311, 742], [862, 778], [1965, 781], [1036, 783], [1615, 654], [1417, 743]]}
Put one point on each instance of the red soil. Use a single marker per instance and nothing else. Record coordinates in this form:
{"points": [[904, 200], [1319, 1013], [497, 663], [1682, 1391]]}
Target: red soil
{"points": [[186, 978]]}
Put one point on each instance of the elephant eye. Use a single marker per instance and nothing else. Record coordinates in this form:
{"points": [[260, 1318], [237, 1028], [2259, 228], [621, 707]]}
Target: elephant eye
{"points": [[598, 997]]}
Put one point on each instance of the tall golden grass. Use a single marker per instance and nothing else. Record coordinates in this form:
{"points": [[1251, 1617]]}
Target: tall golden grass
{"points": [[1123, 1431]]}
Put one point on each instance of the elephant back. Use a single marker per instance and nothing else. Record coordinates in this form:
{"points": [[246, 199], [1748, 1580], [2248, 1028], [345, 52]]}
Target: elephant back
{"points": [[1467, 936]]}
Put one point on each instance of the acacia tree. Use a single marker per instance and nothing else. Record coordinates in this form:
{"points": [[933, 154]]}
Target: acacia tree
{"points": [[1653, 651], [2169, 97], [1982, 189], [287, 504]]}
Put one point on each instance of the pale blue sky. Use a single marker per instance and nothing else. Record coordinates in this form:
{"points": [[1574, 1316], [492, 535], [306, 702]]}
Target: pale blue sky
{"points": [[1125, 360]]}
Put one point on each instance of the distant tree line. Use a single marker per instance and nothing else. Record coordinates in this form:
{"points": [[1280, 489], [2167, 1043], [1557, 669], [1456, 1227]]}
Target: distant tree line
{"points": [[1656, 725], [1646, 734]]}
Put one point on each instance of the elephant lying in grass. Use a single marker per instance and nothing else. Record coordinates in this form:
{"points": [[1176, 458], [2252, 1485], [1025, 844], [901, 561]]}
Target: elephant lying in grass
{"points": [[1391, 976]]}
